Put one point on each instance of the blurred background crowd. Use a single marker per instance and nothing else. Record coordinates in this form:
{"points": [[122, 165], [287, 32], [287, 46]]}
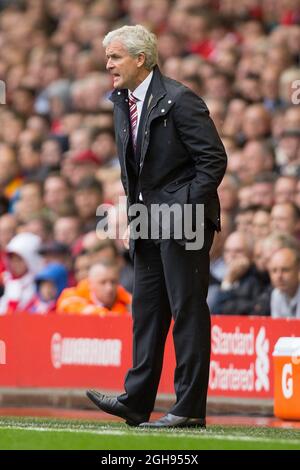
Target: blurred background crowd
{"points": [[58, 159]]}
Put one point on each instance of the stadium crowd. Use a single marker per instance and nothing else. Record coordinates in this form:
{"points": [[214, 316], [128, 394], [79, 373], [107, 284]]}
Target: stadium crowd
{"points": [[58, 159]]}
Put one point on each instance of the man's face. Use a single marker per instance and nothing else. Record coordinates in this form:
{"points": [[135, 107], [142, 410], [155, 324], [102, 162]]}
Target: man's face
{"points": [[82, 266], [234, 248], [282, 219], [122, 66], [16, 265], [48, 291], [284, 272], [262, 194], [55, 192], [87, 201], [261, 224], [66, 230], [104, 285]]}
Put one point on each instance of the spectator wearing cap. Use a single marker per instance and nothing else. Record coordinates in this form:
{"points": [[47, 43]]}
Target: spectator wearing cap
{"points": [[23, 263], [84, 163], [100, 294], [50, 282]]}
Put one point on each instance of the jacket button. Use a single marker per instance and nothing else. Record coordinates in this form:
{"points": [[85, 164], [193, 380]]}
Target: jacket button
{"points": [[170, 101], [146, 132], [163, 110]]}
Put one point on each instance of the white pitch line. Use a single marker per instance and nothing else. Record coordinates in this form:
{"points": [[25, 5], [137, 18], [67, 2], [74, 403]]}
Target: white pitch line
{"points": [[201, 435]]}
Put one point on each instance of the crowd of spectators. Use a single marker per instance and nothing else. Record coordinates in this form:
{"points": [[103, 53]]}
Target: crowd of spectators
{"points": [[58, 159]]}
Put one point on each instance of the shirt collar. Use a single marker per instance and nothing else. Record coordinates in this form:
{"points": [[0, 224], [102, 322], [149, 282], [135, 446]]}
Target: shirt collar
{"points": [[141, 90]]}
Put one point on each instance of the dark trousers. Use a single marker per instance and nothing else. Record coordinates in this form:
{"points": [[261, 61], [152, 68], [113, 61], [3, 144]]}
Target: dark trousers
{"points": [[170, 281]]}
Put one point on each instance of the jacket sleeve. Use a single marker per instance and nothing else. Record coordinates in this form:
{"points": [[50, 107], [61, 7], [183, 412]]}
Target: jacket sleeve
{"points": [[200, 137]]}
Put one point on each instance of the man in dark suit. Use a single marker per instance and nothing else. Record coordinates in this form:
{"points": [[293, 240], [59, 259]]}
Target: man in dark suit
{"points": [[170, 153]]}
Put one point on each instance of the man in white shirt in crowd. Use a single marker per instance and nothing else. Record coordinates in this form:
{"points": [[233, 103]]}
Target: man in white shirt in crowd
{"points": [[284, 272]]}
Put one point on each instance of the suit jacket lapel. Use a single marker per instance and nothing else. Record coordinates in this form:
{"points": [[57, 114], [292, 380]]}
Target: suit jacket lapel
{"points": [[145, 109]]}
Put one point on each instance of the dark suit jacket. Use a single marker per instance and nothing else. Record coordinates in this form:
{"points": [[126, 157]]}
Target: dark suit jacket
{"points": [[181, 157]]}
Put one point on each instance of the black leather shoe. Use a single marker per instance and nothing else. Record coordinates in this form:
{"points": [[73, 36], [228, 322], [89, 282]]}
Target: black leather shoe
{"points": [[112, 406], [172, 421]]}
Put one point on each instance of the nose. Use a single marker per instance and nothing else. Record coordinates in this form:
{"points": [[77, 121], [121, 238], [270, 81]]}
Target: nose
{"points": [[109, 65]]}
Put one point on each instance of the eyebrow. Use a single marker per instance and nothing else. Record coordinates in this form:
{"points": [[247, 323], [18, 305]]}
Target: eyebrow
{"points": [[114, 55]]}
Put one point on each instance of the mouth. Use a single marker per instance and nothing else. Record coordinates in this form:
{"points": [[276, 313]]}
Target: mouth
{"points": [[115, 78]]}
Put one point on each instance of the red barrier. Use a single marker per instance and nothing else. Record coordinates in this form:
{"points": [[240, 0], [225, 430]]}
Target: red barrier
{"points": [[241, 360], [73, 351], [8, 352]]}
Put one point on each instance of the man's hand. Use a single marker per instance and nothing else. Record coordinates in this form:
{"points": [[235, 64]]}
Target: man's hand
{"points": [[237, 268]]}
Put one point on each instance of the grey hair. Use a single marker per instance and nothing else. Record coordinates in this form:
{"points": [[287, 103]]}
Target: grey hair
{"points": [[137, 40]]}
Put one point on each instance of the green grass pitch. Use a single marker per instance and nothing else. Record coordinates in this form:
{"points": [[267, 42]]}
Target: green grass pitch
{"points": [[42, 434]]}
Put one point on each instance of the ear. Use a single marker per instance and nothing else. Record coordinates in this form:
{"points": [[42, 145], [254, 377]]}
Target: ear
{"points": [[141, 59]]}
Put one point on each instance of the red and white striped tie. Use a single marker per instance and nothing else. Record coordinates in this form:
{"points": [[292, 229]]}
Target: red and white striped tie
{"points": [[133, 117]]}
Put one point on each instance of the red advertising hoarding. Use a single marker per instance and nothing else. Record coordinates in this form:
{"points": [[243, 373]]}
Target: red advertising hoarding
{"points": [[74, 351], [8, 352]]}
